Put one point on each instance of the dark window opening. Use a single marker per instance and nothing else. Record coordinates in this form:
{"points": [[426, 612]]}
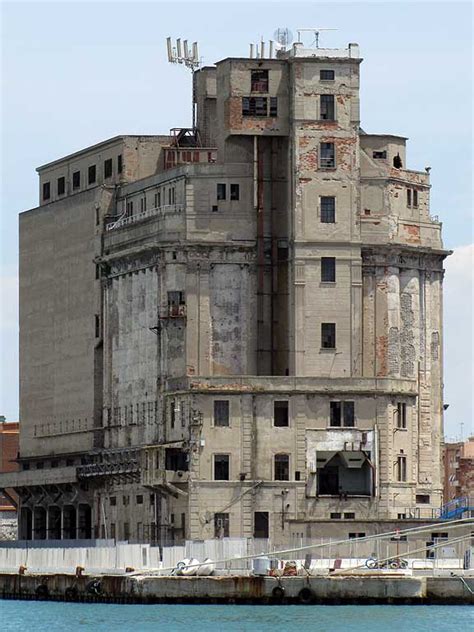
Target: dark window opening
{"points": [[139, 499], [61, 185], [176, 460], [25, 466], [409, 198], [259, 80], [261, 524], [221, 467], [76, 180], [234, 192], [273, 106], [297, 475], [215, 208], [221, 191], [91, 174], [254, 106], [335, 515], [415, 198], [326, 75], [379, 155], [280, 414], [221, 412], [328, 335], [113, 501], [97, 326], [107, 168], [401, 415], [328, 209], [221, 525], [401, 468], [345, 473], [327, 158], [46, 190], [397, 162], [172, 413], [176, 303], [282, 467], [125, 501], [342, 414], [39, 465], [422, 499], [354, 536], [349, 515], [328, 269], [119, 163], [327, 107]]}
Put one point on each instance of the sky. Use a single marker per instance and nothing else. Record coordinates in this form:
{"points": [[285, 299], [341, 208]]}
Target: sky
{"points": [[75, 73]]}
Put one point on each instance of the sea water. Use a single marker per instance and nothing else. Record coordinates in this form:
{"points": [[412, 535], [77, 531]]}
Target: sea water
{"points": [[47, 616]]}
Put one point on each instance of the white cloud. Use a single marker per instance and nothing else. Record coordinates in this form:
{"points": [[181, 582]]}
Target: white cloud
{"points": [[458, 341]]}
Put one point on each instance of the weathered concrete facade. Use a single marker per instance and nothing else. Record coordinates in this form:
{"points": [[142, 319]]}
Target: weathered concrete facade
{"points": [[239, 331]]}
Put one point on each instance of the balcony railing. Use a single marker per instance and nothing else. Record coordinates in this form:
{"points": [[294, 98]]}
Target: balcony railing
{"points": [[163, 211]]}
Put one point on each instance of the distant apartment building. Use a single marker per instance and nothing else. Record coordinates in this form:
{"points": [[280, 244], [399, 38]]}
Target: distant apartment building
{"points": [[459, 470], [9, 446], [234, 329]]}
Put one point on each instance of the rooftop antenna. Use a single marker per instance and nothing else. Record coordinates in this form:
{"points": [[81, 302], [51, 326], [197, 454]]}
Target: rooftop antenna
{"points": [[283, 37], [187, 56], [315, 31]]}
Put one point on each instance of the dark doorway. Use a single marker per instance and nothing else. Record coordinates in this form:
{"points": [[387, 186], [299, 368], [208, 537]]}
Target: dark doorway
{"points": [[261, 524]]}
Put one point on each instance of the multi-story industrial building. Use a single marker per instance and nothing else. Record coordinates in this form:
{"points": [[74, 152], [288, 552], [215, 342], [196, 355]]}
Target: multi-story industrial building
{"points": [[234, 330]]}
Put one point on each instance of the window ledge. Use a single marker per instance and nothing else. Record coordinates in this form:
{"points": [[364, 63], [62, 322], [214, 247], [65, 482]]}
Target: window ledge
{"points": [[327, 350], [328, 283], [344, 428]]}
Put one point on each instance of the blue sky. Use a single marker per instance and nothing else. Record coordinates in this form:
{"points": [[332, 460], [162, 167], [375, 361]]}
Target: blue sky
{"points": [[75, 73]]}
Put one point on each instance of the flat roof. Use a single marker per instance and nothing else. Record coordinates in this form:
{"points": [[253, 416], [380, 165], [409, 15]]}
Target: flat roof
{"points": [[366, 134]]}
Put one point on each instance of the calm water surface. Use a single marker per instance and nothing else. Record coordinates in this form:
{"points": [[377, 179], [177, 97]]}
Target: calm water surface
{"points": [[31, 616]]}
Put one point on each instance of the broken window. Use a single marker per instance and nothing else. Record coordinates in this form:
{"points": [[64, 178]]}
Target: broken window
{"points": [[61, 185], [326, 107], [221, 412], [107, 168], [422, 499], [326, 75], [254, 106], [328, 269], [91, 174], [397, 162], [345, 473], [401, 469], [328, 209], [379, 155], [261, 524], [273, 106], [234, 192], [46, 190], [328, 335], [221, 191], [176, 303], [119, 163], [282, 467], [221, 525], [401, 415], [76, 180], [327, 158], [221, 467], [176, 460], [259, 80], [341, 414], [280, 414]]}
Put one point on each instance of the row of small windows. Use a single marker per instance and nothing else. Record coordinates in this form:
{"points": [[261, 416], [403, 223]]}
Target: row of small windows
{"points": [[234, 193], [259, 79], [76, 177], [281, 467]]}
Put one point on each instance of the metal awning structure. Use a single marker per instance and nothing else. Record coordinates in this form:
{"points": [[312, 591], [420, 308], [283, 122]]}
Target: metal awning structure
{"points": [[352, 459]]}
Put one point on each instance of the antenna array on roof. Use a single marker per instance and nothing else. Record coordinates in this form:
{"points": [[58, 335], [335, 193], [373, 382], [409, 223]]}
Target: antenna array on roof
{"points": [[183, 54]]}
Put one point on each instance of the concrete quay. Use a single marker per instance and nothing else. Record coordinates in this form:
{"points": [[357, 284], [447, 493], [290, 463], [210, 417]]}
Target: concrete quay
{"points": [[363, 588]]}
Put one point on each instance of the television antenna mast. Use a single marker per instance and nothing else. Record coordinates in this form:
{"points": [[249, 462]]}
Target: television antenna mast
{"points": [[181, 53], [283, 36], [315, 31]]}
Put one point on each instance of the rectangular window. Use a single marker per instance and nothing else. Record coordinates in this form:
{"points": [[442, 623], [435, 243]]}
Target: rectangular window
{"points": [[326, 107], [46, 190], [341, 414], [119, 163], [112, 530], [126, 531], [108, 168], [261, 524], [76, 180], [379, 155], [91, 174], [142, 205], [335, 516], [328, 209], [113, 501], [139, 499], [409, 198], [328, 335], [353, 536], [97, 326], [221, 191], [273, 106], [415, 198], [172, 413], [422, 499], [61, 185], [401, 468], [328, 269], [176, 303], [282, 467], [221, 467], [327, 158], [221, 525], [126, 500], [234, 192], [221, 412], [254, 106], [401, 415], [349, 515], [259, 80], [326, 75], [280, 414]]}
